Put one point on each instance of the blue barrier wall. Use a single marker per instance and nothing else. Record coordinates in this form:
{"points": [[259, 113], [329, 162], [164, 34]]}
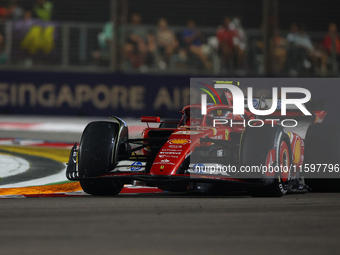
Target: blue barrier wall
{"points": [[92, 94]]}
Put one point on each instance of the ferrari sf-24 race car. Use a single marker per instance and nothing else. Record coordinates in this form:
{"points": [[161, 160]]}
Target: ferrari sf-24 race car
{"points": [[198, 153]]}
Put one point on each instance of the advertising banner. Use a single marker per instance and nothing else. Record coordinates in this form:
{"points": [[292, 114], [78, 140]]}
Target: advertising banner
{"points": [[93, 94]]}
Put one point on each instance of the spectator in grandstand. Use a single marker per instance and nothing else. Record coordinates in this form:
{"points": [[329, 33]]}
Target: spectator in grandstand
{"points": [[294, 54], [240, 40], [3, 55], [167, 42], [331, 45], [140, 45], [226, 37], [27, 15], [43, 9], [21, 27], [297, 50], [279, 51], [318, 58], [3, 13], [327, 41], [302, 54], [11, 12], [294, 30], [104, 39], [14, 12], [193, 40], [303, 40], [331, 41]]}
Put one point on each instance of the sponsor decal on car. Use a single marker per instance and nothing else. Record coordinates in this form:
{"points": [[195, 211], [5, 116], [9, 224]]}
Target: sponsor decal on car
{"points": [[175, 146], [179, 141], [278, 104], [255, 103], [187, 132], [136, 166], [170, 152], [164, 162], [130, 166], [168, 156], [218, 137]]}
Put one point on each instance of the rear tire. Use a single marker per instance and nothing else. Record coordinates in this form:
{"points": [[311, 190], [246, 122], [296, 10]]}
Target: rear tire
{"points": [[322, 146], [255, 145]]}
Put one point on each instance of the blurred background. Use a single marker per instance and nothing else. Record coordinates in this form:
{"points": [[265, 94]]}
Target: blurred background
{"points": [[132, 57]]}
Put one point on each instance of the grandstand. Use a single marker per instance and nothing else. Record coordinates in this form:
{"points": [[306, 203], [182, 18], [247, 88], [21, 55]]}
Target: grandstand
{"points": [[80, 37]]}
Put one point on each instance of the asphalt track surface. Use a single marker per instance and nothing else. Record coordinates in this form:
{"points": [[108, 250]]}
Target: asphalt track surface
{"points": [[171, 224]]}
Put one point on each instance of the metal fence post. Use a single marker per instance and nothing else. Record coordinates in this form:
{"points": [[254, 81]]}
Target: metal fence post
{"points": [[65, 45], [269, 20], [8, 38], [82, 45], [114, 42]]}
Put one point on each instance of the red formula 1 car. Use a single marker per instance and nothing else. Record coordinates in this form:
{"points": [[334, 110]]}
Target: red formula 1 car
{"points": [[212, 152]]}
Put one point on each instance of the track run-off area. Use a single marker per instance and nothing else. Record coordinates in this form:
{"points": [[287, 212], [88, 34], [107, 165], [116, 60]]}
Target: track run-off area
{"points": [[37, 169]]}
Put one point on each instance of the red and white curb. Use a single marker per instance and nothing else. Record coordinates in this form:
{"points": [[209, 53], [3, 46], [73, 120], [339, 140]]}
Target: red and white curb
{"points": [[128, 189]]}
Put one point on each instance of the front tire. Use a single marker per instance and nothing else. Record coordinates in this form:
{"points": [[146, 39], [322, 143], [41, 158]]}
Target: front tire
{"points": [[97, 155], [102, 187]]}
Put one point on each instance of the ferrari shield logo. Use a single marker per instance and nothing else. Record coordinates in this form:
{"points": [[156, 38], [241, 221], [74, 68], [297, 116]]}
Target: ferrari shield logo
{"points": [[227, 134]]}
